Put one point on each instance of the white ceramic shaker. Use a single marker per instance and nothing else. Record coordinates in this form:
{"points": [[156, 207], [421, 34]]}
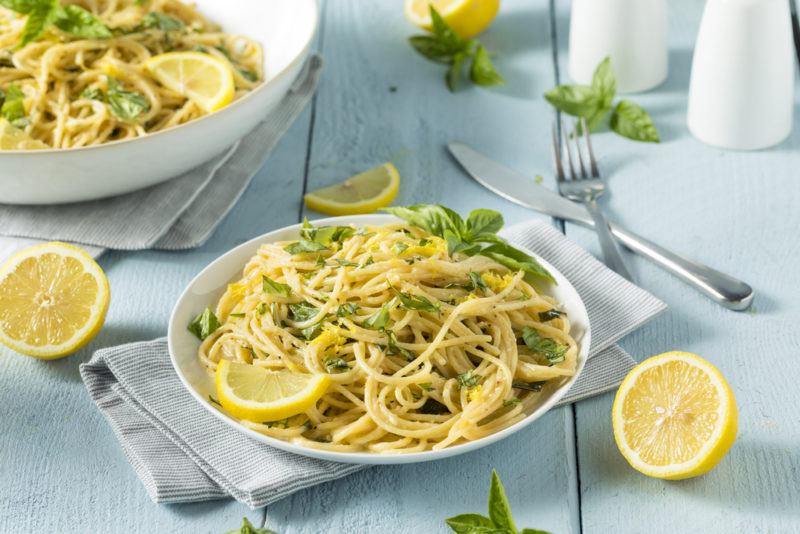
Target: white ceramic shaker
{"points": [[741, 93], [632, 32]]}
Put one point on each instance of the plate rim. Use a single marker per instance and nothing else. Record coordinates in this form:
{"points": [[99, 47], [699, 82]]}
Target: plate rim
{"points": [[371, 458]]}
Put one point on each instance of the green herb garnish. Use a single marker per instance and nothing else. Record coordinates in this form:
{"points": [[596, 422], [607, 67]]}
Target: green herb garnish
{"points": [[468, 379], [549, 348], [325, 235], [91, 93], [347, 309], [433, 407], [261, 309], [303, 311], [345, 263], [248, 528], [204, 324], [272, 287], [595, 102], [475, 236], [13, 108], [400, 247], [303, 246], [310, 332], [549, 315], [528, 386], [159, 21], [336, 365], [499, 521], [416, 302], [477, 282], [445, 46], [369, 261], [427, 386], [378, 320], [126, 105], [70, 19], [393, 349]]}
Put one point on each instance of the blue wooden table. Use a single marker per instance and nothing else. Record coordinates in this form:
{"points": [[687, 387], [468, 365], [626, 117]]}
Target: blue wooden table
{"points": [[61, 470]]}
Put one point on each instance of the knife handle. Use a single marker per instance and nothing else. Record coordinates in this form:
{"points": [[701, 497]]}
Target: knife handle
{"points": [[719, 287]]}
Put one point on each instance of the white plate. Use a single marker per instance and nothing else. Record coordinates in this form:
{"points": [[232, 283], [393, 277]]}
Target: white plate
{"points": [[284, 28], [211, 283]]}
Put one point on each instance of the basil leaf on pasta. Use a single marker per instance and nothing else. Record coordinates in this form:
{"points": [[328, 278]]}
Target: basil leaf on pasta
{"points": [[78, 22], [275, 288], [126, 105]]}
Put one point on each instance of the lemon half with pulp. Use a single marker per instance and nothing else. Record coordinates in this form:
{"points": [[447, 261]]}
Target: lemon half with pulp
{"points": [[674, 416], [53, 300]]}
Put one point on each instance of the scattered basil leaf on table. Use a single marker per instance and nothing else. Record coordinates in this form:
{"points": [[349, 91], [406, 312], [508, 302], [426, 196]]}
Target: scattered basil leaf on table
{"points": [[126, 105], [461, 236], [204, 324], [549, 348], [275, 288], [248, 528], [594, 103], [445, 46]]}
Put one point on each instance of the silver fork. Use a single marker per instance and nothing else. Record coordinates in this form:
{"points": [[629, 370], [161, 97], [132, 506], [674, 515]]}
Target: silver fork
{"points": [[586, 189]]}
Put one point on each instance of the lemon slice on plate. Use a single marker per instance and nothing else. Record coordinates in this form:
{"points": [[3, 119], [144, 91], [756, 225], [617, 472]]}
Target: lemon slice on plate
{"points": [[53, 300], [202, 78], [362, 193], [467, 18], [258, 394], [12, 138], [674, 416]]}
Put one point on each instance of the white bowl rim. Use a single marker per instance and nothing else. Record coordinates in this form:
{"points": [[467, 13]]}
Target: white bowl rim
{"points": [[236, 104], [371, 458]]}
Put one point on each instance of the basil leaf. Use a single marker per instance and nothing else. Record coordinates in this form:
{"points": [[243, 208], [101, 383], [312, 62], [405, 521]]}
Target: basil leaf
{"points": [[453, 75], [261, 309], [528, 386], [549, 348], [400, 247], [369, 261], [465, 523], [511, 402], [310, 332], [93, 94], [632, 121], [78, 22], [427, 386], [268, 285], [477, 282], [516, 260], [392, 348], [378, 320], [336, 365], [604, 84], [468, 380], [347, 309], [303, 311], [345, 263], [576, 100], [433, 407], [248, 75], [549, 315], [159, 21], [432, 48], [248, 528], [433, 218], [20, 6], [482, 72], [416, 302], [204, 324], [483, 221], [126, 105], [41, 15], [499, 509], [325, 235], [303, 246], [13, 109], [444, 32]]}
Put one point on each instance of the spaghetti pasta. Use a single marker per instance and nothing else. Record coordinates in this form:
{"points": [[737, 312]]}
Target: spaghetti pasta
{"points": [[424, 349], [67, 82]]}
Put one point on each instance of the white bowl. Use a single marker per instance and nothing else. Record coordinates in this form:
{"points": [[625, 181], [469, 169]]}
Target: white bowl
{"points": [[211, 283], [284, 29]]}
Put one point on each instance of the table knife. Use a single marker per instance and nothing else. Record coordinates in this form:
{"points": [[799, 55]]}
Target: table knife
{"points": [[518, 188]]}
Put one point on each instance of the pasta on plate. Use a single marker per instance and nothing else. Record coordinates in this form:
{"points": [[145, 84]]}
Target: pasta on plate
{"points": [[424, 348], [72, 73]]}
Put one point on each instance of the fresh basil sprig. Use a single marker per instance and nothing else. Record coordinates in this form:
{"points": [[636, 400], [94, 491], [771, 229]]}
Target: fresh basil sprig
{"points": [[596, 101], [445, 46], [204, 324], [126, 105], [272, 287], [42, 14], [500, 520], [475, 236]]}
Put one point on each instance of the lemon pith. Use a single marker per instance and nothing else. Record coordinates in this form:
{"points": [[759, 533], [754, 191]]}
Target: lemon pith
{"points": [[467, 18], [260, 395], [674, 416], [363, 193], [202, 78], [53, 300]]}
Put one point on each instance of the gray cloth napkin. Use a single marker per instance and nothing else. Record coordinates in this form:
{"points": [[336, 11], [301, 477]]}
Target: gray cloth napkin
{"points": [[177, 214], [183, 453]]}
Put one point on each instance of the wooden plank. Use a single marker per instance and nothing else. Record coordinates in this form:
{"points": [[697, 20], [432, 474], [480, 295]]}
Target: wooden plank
{"points": [[736, 211], [361, 122], [61, 467]]}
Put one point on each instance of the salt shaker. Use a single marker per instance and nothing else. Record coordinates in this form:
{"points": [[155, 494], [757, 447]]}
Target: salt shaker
{"points": [[632, 32], [741, 93]]}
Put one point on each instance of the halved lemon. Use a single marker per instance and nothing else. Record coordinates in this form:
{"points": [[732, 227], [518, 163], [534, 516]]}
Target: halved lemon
{"points": [[258, 394], [363, 193], [53, 300], [202, 78], [467, 18], [12, 138], [674, 416]]}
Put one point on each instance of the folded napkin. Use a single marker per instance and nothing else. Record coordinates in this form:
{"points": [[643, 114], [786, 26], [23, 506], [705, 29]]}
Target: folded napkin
{"points": [[183, 453], [177, 214]]}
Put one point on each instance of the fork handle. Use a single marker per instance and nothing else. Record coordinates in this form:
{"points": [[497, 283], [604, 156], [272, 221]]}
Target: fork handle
{"points": [[611, 253], [719, 287]]}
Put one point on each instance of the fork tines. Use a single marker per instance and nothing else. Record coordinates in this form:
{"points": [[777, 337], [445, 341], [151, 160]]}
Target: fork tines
{"points": [[563, 147]]}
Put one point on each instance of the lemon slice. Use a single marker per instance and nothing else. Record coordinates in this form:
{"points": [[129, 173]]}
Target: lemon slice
{"points": [[257, 394], [202, 78], [53, 300], [12, 138], [362, 193], [674, 416], [467, 18]]}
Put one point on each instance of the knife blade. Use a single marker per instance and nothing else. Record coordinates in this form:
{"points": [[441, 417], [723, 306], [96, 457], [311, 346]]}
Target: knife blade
{"points": [[518, 188]]}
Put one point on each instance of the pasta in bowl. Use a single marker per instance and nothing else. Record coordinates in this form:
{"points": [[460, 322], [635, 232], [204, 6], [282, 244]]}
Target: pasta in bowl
{"points": [[146, 88], [425, 352]]}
